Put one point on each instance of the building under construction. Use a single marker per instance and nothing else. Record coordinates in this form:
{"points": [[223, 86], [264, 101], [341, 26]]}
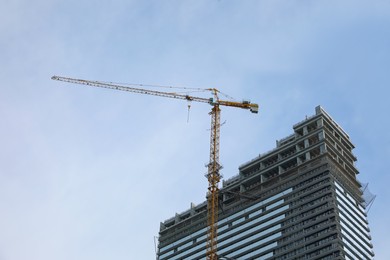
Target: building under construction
{"points": [[301, 200]]}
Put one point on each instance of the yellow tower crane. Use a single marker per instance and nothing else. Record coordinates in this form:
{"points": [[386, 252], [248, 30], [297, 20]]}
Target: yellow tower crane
{"points": [[213, 166]]}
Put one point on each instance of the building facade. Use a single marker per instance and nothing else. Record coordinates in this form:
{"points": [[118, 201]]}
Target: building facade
{"points": [[301, 200]]}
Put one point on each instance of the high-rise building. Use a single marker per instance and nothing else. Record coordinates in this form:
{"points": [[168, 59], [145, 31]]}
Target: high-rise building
{"points": [[301, 200]]}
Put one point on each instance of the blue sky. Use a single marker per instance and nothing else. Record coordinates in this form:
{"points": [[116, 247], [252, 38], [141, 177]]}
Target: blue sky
{"points": [[88, 173]]}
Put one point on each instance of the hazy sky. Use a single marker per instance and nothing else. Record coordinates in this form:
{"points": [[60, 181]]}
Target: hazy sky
{"points": [[88, 173]]}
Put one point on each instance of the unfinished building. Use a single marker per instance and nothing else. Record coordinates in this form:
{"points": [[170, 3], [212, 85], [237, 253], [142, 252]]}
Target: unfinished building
{"points": [[302, 200]]}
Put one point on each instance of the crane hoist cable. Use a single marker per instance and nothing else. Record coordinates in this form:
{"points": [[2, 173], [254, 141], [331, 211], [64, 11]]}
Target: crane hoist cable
{"points": [[213, 176]]}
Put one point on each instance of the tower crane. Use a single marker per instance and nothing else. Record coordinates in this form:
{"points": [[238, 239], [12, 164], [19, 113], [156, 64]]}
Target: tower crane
{"points": [[213, 176]]}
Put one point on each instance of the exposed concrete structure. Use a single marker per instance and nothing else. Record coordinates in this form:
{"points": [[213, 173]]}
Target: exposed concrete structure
{"points": [[299, 201]]}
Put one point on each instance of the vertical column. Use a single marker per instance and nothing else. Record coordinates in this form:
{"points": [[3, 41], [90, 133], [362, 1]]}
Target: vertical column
{"points": [[213, 177]]}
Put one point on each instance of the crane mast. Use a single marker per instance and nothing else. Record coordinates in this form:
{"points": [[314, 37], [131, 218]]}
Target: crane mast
{"points": [[213, 176]]}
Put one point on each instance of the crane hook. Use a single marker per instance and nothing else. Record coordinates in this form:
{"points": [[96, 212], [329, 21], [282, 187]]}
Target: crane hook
{"points": [[188, 113]]}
